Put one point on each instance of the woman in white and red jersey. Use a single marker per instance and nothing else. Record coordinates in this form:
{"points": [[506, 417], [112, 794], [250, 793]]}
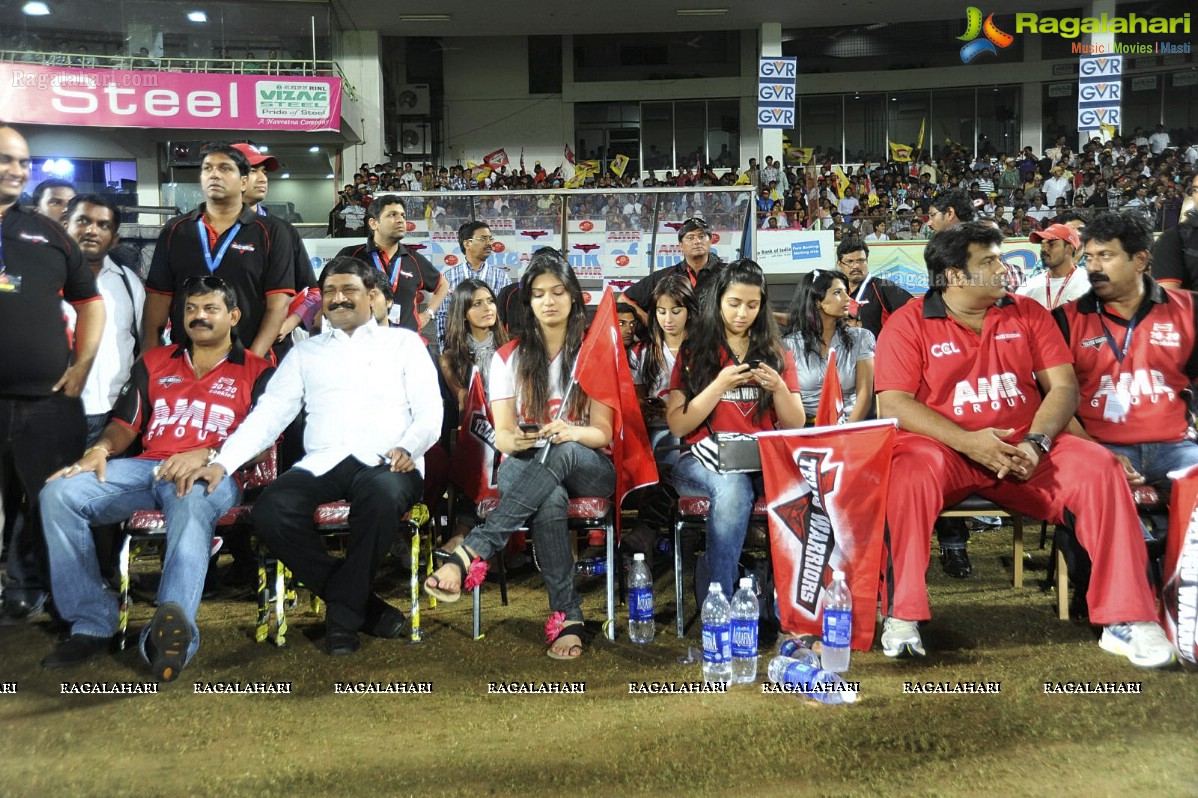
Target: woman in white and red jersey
{"points": [[535, 406], [732, 375]]}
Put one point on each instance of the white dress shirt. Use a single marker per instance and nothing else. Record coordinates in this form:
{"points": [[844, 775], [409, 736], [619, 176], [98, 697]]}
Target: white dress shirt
{"points": [[114, 356], [365, 394]]}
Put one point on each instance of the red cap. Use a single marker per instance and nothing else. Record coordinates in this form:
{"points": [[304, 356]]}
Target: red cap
{"points": [[1060, 232], [256, 158]]}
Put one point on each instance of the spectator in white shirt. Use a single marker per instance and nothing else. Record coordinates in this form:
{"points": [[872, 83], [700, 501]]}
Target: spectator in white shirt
{"points": [[93, 221], [1158, 141], [370, 419], [1057, 186], [878, 234]]}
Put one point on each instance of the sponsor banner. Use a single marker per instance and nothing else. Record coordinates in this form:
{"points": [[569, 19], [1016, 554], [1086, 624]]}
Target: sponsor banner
{"points": [[776, 78], [1179, 608], [826, 491], [1099, 92], [796, 251], [624, 251], [586, 225], [902, 261], [44, 95]]}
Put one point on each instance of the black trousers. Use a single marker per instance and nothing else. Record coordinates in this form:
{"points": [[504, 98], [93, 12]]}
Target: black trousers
{"points": [[38, 436], [378, 499]]}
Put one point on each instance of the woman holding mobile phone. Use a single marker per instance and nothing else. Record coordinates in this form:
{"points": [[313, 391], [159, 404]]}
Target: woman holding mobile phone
{"points": [[731, 376], [531, 384]]}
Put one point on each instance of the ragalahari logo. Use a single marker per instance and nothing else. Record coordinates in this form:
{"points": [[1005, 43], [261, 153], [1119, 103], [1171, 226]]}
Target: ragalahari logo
{"points": [[974, 46]]}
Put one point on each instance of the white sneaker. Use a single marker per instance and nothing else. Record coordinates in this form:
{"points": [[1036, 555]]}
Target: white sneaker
{"points": [[901, 638], [1142, 642]]}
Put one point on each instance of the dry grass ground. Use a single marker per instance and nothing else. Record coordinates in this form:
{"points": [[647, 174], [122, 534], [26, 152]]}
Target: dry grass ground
{"points": [[460, 740]]}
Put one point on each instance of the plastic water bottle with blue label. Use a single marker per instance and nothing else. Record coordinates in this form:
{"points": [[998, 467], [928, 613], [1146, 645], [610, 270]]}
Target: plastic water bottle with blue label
{"points": [[640, 601], [745, 611], [717, 636], [838, 625], [807, 679]]}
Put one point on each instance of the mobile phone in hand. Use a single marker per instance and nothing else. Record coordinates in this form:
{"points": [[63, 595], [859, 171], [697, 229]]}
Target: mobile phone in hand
{"points": [[752, 364], [529, 428]]}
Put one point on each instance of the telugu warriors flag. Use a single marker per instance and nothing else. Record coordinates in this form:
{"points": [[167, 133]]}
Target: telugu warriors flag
{"points": [[826, 492], [602, 372], [475, 461], [1179, 610]]}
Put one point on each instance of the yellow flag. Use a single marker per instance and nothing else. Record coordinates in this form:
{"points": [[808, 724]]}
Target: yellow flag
{"points": [[900, 152], [799, 155], [1108, 132], [577, 180], [842, 181], [919, 142], [873, 200], [619, 164], [743, 180]]}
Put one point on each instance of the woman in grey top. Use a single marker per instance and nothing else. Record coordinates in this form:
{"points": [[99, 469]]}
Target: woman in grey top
{"points": [[819, 322]]}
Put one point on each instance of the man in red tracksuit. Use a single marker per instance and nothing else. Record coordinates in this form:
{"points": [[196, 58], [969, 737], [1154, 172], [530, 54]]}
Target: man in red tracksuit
{"points": [[982, 386]]}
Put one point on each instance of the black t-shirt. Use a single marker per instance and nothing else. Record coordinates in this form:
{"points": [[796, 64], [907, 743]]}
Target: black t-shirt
{"points": [[408, 277], [1170, 260], [259, 261], [42, 266], [641, 294], [881, 297]]}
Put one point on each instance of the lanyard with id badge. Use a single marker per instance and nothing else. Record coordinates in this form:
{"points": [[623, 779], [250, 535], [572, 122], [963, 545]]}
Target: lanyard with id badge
{"points": [[9, 283], [1118, 401], [395, 313]]}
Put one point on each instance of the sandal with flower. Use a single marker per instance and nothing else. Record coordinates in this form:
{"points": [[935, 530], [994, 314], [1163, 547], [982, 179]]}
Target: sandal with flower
{"points": [[473, 573], [557, 628]]}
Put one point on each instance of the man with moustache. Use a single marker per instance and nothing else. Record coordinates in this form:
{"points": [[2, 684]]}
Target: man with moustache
{"points": [[1135, 351], [874, 298], [41, 377], [1061, 281], [182, 402], [982, 388], [225, 238], [1175, 254], [476, 240], [698, 265], [371, 418], [94, 220], [409, 273]]}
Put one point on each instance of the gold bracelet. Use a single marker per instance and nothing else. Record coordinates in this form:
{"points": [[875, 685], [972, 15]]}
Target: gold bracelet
{"points": [[90, 449]]}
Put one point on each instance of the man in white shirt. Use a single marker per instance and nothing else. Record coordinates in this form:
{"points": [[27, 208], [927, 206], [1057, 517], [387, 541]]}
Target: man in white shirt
{"points": [[373, 412], [93, 221], [1057, 186], [1158, 141], [1061, 281]]}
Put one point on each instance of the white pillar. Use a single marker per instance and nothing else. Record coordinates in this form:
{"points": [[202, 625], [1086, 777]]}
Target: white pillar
{"points": [[1031, 102], [1096, 8], [359, 56], [770, 138]]}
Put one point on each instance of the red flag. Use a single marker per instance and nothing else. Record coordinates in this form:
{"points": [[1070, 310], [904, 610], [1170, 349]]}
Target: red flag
{"points": [[1179, 610], [827, 512], [475, 461], [522, 161], [601, 358], [831, 396], [496, 159], [569, 154]]}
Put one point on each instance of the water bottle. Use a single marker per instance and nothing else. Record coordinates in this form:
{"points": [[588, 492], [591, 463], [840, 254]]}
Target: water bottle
{"points": [[640, 601], [795, 648], [717, 636], [591, 566], [745, 610], [810, 680], [838, 625]]}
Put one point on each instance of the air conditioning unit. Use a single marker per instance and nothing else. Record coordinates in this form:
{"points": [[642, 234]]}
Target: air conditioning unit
{"points": [[413, 99], [413, 138]]}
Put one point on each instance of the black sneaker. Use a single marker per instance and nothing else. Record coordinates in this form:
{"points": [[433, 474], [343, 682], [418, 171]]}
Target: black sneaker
{"points": [[75, 650], [170, 637], [955, 563]]}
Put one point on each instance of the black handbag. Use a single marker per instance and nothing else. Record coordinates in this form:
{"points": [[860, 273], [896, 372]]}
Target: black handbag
{"points": [[728, 452]]}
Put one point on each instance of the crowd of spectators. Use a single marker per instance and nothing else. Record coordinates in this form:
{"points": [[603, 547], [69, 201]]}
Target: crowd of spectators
{"points": [[1022, 192]]}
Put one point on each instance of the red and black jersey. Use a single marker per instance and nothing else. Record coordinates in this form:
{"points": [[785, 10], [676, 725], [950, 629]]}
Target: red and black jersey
{"points": [[737, 409], [975, 381], [40, 265], [641, 292], [259, 261], [1143, 398], [408, 273], [175, 412]]}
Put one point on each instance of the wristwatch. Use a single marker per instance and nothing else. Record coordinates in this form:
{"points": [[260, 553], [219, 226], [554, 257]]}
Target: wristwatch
{"points": [[1041, 442]]}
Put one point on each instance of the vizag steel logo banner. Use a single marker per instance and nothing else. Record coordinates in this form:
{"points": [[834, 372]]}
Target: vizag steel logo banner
{"points": [[43, 95], [826, 489]]}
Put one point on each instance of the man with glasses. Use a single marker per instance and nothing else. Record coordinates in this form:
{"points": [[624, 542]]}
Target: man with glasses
{"points": [[874, 298], [182, 402], [1175, 254], [476, 241], [698, 264]]}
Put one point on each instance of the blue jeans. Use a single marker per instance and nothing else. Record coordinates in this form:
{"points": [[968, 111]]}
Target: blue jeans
{"points": [[539, 495], [69, 506], [1156, 460], [96, 425], [732, 497]]}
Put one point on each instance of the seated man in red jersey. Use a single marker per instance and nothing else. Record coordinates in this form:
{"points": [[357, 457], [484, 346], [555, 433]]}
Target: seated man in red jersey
{"points": [[1135, 353], [184, 401], [982, 387]]}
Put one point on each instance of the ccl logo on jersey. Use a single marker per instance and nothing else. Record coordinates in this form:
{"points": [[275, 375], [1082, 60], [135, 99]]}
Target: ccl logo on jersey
{"points": [[945, 349]]}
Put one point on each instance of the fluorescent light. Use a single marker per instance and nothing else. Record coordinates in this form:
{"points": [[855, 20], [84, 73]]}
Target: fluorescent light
{"points": [[425, 17], [35, 9], [197, 16], [285, 175], [329, 176], [314, 148], [263, 148], [701, 12]]}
